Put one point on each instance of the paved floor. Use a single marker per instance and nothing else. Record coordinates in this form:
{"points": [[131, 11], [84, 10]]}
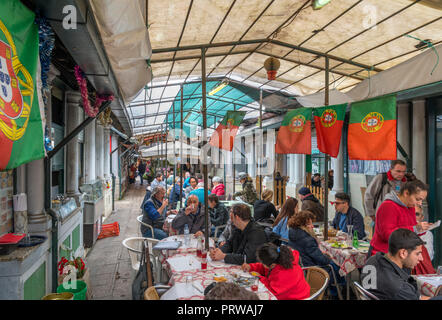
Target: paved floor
{"points": [[111, 273]]}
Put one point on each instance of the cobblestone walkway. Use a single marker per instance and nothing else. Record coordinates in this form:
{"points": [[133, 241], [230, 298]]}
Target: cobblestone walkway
{"points": [[111, 273]]}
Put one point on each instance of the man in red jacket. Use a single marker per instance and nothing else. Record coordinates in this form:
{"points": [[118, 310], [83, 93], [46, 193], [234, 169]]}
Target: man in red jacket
{"points": [[398, 211]]}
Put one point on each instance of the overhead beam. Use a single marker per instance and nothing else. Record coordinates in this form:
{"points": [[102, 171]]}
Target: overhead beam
{"points": [[276, 42]]}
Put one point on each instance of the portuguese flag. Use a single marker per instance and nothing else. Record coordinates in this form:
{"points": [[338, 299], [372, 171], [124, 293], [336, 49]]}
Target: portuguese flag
{"points": [[224, 135], [328, 123], [372, 129], [21, 128], [295, 133]]}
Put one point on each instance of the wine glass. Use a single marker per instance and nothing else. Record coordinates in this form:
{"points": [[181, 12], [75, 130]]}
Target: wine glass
{"points": [[349, 235]]}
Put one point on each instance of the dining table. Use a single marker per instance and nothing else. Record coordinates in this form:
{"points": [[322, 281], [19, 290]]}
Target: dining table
{"points": [[188, 281], [349, 259], [428, 283]]}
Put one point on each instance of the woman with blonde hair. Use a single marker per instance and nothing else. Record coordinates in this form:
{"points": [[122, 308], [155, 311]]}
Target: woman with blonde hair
{"points": [[263, 210]]}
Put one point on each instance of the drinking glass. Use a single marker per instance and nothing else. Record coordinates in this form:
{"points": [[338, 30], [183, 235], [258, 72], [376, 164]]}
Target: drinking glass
{"points": [[439, 270], [350, 235]]}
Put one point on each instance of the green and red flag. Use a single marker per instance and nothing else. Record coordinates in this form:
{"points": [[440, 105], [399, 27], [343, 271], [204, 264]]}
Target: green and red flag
{"points": [[21, 115], [224, 135], [328, 123], [295, 133], [372, 129]]}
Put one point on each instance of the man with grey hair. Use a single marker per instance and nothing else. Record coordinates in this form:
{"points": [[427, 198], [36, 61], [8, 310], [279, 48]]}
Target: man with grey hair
{"points": [[218, 186], [154, 214]]}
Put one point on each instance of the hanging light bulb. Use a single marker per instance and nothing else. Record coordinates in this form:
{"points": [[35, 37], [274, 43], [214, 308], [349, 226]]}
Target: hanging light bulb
{"points": [[271, 65], [318, 4]]}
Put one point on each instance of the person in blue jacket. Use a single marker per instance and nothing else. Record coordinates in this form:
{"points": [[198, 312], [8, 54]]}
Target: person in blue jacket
{"points": [[199, 192], [347, 215], [288, 210], [174, 196], [154, 214]]}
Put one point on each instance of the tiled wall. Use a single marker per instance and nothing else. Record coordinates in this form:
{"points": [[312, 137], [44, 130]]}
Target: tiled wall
{"points": [[6, 212]]}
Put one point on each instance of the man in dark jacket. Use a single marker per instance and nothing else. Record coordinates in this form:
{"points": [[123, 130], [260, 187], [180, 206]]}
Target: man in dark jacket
{"points": [[310, 203], [388, 276], [347, 215], [244, 241], [193, 215], [218, 214], [154, 214], [141, 171]]}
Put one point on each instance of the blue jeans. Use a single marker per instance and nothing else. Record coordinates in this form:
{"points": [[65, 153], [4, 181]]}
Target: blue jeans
{"points": [[141, 177], [158, 234]]}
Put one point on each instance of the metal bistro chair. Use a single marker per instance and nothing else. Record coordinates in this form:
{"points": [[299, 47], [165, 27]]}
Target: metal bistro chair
{"points": [[140, 220], [362, 293], [318, 280], [133, 245]]}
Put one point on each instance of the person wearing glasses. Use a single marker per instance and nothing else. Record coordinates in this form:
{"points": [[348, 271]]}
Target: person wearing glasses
{"points": [[347, 215]]}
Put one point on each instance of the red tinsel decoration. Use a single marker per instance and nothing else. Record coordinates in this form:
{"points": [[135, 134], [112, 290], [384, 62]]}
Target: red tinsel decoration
{"points": [[82, 83]]}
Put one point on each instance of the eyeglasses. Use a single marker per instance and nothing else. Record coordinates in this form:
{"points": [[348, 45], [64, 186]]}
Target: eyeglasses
{"points": [[336, 202]]}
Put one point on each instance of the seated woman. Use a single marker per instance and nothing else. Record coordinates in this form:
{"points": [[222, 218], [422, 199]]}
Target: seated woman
{"points": [[193, 215], [264, 210], [174, 196], [280, 272], [303, 239], [218, 214], [289, 208], [218, 186]]}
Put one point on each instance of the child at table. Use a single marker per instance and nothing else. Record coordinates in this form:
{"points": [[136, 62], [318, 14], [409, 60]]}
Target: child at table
{"points": [[280, 272]]}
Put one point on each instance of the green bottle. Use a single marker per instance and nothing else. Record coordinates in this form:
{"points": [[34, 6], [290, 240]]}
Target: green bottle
{"points": [[355, 240]]}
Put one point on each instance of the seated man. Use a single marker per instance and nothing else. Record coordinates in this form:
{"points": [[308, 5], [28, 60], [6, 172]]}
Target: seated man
{"points": [[244, 241], [347, 215], [154, 214], [218, 214], [311, 203], [388, 276], [193, 215]]}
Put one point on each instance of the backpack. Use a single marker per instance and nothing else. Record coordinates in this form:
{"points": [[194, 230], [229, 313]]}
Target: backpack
{"points": [[378, 194]]}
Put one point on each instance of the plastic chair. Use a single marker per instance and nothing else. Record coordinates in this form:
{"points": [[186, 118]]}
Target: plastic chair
{"points": [[215, 238], [335, 281], [140, 220], [318, 280], [155, 292], [362, 293], [133, 245], [438, 291]]}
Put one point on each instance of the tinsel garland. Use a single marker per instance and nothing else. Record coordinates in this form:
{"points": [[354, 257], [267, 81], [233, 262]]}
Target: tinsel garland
{"points": [[46, 44], [82, 84]]}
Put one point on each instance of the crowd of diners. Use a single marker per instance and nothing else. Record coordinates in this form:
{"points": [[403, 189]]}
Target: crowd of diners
{"points": [[279, 252]]}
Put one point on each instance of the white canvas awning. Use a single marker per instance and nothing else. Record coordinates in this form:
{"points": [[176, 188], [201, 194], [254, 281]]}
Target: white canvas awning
{"points": [[155, 151]]}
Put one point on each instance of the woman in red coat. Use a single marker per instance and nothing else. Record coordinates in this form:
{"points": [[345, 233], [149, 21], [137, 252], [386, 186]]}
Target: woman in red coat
{"points": [[280, 272], [398, 211]]}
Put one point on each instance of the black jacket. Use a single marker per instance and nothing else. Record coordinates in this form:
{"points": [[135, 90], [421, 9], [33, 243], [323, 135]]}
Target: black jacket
{"points": [[392, 282], [141, 168], [308, 248], [354, 218], [263, 210], [313, 205], [219, 215], [244, 242]]}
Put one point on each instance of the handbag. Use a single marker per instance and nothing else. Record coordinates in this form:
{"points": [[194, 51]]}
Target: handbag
{"points": [[143, 278]]}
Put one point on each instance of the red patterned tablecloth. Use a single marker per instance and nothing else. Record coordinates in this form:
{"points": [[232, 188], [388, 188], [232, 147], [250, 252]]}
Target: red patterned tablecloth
{"points": [[347, 259], [428, 283], [203, 277]]}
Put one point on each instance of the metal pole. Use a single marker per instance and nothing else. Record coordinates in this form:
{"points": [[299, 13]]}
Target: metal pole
{"points": [[233, 158], [261, 135], [181, 148], [166, 163], [174, 155], [327, 157], [205, 177]]}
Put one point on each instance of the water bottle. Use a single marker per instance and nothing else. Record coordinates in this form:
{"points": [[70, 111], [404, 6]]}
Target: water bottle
{"points": [[186, 235], [355, 240]]}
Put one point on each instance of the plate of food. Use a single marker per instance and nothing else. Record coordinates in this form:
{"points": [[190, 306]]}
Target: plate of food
{"points": [[340, 245], [219, 277]]}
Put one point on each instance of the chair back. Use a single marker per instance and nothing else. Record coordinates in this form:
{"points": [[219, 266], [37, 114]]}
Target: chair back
{"points": [[134, 245], [151, 294], [362, 293], [438, 291], [318, 280], [140, 220]]}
